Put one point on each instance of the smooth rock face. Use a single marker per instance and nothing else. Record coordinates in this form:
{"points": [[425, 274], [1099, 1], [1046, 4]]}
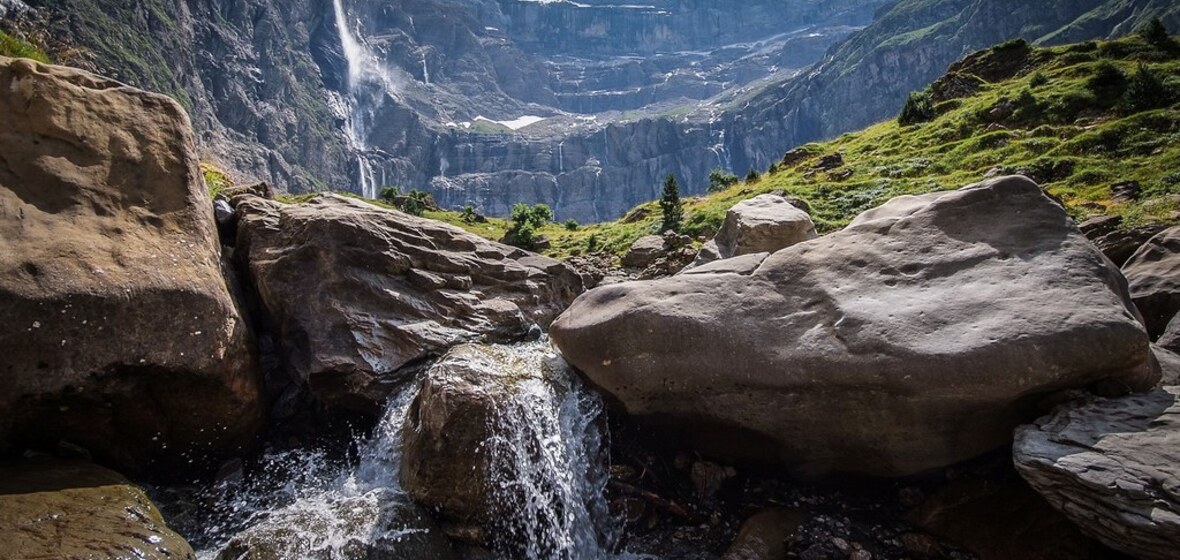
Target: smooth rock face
{"points": [[917, 337], [79, 510], [765, 223], [1113, 467], [119, 332], [1153, 273], [357, 292]]}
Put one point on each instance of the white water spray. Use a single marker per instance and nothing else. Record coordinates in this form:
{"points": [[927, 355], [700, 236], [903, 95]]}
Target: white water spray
{"points": [[369, 83]]}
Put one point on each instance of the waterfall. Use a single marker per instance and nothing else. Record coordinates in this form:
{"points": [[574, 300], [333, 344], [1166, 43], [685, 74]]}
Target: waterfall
{"points": [[425, 71], [561, 157], [369, 83], [301, 504]]}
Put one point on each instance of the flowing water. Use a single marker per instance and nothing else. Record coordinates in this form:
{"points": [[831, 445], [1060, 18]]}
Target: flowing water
{"points": [[547, 463]]}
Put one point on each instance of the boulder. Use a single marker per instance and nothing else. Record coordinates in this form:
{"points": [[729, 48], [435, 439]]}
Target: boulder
{"points": [[357, 292], [1112, 466], [644, 251], [763, 224], [119, 332], [495, 429], [1153, 273], [917, 337], [766, 535], [1169, 363], [66, 509]]}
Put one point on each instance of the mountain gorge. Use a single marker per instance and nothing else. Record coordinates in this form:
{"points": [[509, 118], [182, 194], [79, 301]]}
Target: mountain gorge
{"points": [[582, 106]]}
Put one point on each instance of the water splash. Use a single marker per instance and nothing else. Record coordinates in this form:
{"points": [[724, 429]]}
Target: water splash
{"points": [[547, 463]]}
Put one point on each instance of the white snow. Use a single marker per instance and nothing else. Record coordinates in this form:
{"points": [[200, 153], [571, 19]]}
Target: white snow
{"points": [[514, 124]]}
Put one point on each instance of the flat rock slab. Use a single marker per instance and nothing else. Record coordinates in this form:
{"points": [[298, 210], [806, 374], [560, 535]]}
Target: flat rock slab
{"points": [[1153, 273], [1112, 466], [917, 337]]}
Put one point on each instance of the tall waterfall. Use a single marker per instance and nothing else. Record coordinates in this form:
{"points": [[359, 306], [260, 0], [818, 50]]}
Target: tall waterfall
{"points": [[369, 83]]}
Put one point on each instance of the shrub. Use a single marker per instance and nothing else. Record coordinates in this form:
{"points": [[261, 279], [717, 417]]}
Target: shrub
{"points": [[571, 225], [468, 214], [720, 179], [918, 108], [592, 243], [752, 176], [526, 220], [1039, 79], [1145, 91], [1157, 36], [670, 206], [1107, 83], [1028, 109], [390, 193], [415, 203]]}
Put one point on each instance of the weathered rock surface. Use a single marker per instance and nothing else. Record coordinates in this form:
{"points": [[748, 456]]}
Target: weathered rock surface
{"points": [[119, 332], [1153, 273], [644, 251], [917, 337], [763, 224], [1113, 467], [764, 536], [75, 511], [357, 292]]}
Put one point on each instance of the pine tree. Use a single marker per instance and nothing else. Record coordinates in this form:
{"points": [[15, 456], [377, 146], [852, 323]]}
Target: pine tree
{"points": [[670, 205], [1156, 34]]}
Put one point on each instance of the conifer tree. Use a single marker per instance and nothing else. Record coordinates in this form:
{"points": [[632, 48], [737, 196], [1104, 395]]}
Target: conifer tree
{"points": [[670, 205]]}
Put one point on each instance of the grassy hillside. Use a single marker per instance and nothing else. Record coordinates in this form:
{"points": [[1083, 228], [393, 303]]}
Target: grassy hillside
{"points": [[1077, 141], [1048, 113]]}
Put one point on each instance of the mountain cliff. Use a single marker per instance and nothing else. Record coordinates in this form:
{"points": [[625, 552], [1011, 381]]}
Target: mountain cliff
{"points": [[583, 106]]}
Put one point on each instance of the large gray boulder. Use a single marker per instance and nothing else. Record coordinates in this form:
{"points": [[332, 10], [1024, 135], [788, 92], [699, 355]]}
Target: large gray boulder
{"points": [[763, 224], [119, 333], [357, 292], [1112, 466], [917, 337], [1153, 273]]}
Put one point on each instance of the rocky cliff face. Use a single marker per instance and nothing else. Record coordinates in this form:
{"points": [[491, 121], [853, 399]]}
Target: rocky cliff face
{"points": [[584, 106]]}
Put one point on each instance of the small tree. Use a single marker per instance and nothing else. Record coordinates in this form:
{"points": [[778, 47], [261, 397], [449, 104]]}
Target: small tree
{"points": [[468, 214], [571, 225], [390, 193], [526, 220], [1145, 91], [1156, 35], [919, 108], [1108, 82], [753, 176], [720, 179], [673, 211]]}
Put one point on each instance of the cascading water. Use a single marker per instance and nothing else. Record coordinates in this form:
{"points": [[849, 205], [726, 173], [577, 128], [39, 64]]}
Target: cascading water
{"points": [[369, 83], [546, 466]]}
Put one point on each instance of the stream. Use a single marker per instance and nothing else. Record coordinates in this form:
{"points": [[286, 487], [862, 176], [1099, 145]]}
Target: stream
{"points": [[549, 465]]}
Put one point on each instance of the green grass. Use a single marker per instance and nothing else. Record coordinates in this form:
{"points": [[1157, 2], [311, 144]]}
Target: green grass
{"points": [[1074, 144], [15, 47], [216, 180], [1071, 142]]}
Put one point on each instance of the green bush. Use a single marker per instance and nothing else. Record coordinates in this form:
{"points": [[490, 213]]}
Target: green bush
{"points": [[752, 176], [1157, 36], [571, 225], [468, 214], [17, 48], [1039, 79], [1108, 82], [1145, 91], [720, 179], [919, 108], [390, 193], [526, 220]]}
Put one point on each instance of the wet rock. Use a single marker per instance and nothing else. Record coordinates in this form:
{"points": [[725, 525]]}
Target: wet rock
{"points": [[1112, 466], [119, 332], [478, 445], [924, 319], [707, 478], [390, 290], [766, 535], [1153, 273], [73, 509]]}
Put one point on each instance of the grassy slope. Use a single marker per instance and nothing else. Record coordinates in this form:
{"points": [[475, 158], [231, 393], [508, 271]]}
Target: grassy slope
{"points": [[1076, 145]]}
